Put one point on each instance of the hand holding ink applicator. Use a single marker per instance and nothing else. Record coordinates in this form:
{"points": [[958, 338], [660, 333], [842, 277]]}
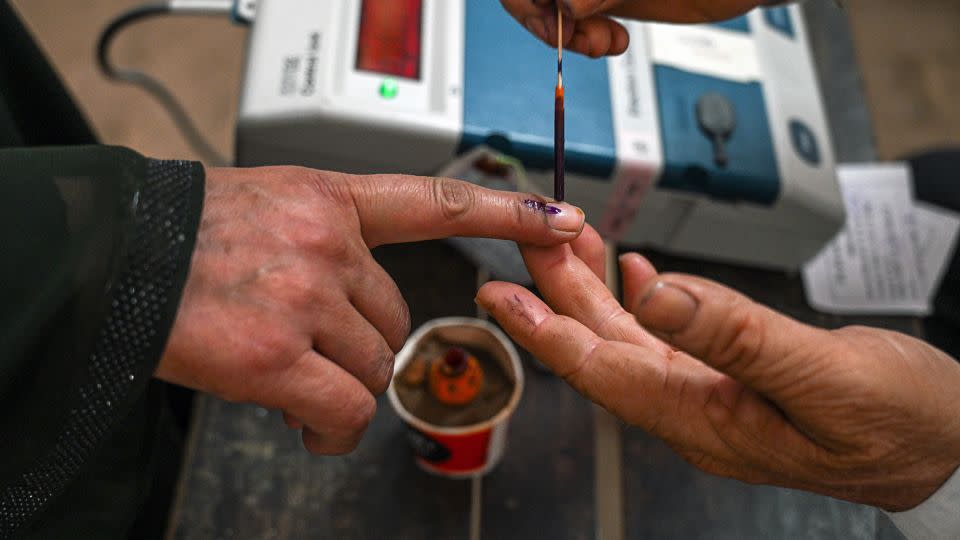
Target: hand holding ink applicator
{"points": [[558, 138]]}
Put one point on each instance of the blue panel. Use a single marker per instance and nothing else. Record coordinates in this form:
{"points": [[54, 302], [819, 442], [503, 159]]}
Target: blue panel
{"points": [[509, 96], [739, 24], [779, 19], [751, 173]]}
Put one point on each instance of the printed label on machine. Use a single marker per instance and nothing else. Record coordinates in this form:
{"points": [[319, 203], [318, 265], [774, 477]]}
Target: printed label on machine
{"points": [[636, 134]]}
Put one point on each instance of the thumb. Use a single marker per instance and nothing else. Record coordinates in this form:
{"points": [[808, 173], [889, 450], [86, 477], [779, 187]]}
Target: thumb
{"points": [[398, 208], [759, 347]]}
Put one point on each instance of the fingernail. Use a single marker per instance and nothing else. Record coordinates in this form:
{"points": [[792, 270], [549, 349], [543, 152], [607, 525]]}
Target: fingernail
{"points": [[561, 217], [666, 308], [536, 26], [565, 217]]}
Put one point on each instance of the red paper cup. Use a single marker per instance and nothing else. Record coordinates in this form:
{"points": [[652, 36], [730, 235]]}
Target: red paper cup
{"points": [[462, 451]]}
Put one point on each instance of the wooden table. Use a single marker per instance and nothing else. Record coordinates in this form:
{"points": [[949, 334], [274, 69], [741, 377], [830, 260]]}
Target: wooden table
{"points": [[247, 475]]}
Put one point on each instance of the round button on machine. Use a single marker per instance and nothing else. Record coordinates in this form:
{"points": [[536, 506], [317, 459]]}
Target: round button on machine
{"points": [[805, 142], [389, 88]]}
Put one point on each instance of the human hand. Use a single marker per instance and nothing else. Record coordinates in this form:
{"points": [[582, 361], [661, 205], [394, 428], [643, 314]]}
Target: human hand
{"points": [[588, 26], [284, 306], [860, 414]]}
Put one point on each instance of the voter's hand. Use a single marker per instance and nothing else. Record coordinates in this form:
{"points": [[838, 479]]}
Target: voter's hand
{"points": [[738, 389], [284, 306], [590, 29]]}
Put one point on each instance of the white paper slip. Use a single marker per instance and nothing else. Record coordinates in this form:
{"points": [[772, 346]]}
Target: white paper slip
{"points": [[890, 255], [937, 233]]}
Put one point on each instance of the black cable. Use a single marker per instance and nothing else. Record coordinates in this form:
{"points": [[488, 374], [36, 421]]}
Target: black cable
{"points": [[155, 88]]}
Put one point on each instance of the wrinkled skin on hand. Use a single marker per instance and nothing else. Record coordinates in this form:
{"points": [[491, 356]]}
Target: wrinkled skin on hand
{"points": [[737, 389], [284, 306], [588, 26]]}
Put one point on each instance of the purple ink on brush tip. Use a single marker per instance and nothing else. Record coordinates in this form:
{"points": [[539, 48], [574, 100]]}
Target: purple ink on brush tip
{"points": [[540, 206]]}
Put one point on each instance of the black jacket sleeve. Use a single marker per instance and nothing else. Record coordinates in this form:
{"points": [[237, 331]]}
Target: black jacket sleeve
{"points": [[95, 246]]}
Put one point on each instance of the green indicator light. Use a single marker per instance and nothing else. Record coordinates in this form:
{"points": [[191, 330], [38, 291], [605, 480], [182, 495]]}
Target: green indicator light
{"points": [[389, 88]]}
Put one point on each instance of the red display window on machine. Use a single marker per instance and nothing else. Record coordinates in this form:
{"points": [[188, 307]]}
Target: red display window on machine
{"points": [[390, 37]]}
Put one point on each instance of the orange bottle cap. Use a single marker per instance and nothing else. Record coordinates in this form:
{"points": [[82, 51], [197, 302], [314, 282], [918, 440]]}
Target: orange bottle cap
{"points": [[456, 379]]}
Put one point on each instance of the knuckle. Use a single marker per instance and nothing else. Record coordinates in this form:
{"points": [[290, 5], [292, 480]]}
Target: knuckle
{"points": [[453, 197], [267, 356], [401, 326], [344, 436], [361, 414], [520, 213], [537, 330], [846, 350], [251, 194], [314, 286], [853, 329], [277, 282], [740, 340], [613, 318], [575, 375], [703, 462], [722, 419], [261, 365], [597, 353], [289, 283], [328, 185], [296, 287], [382, 372], [712, 465], [655, 419], [260, 354], [326, 240], [313, 235]]}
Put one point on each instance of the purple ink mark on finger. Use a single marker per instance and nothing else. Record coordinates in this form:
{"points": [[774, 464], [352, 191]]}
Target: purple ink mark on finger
{"points": [[535, 205], [542, 207], [518, 308]]}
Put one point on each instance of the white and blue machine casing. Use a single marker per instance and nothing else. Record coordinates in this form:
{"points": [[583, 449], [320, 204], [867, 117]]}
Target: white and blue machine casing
{"points": [[637, 161]]}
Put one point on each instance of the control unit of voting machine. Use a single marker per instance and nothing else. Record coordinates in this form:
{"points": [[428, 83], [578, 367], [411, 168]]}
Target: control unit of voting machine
{"points": [[707, 140]]}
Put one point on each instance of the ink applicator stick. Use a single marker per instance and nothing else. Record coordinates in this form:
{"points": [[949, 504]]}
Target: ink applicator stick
{"points": [[558, 129]]}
